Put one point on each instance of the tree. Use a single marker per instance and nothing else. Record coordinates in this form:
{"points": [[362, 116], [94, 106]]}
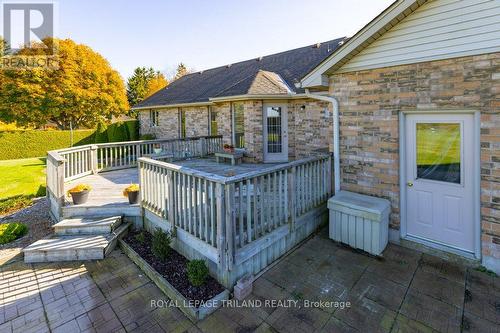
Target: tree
{"points": [[143, 83], [83, 91], [181, 71], [155, 84]]}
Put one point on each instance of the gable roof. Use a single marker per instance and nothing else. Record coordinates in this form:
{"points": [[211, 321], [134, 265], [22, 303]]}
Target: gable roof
{"points": [[279, 72], [395, 13]]}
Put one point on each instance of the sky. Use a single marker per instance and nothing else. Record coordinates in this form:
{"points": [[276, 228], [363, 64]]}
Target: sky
{"points": [[206, 34]]}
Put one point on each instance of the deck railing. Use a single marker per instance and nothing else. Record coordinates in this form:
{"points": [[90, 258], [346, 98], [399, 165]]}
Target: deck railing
{"points": [[67, 164], [231, 214]]}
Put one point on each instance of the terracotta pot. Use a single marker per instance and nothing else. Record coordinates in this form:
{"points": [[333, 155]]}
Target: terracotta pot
{"points": [[80, 197], [229, 150], [133, 197]]}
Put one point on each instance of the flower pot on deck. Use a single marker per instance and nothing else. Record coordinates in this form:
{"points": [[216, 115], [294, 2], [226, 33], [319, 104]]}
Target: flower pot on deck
{"points": [[133, 197], [157, 151], [80, 197]]}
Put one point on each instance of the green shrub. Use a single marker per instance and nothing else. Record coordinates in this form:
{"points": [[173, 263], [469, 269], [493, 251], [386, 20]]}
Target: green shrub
{"points": [[197, 272], [11, 231], [147, 137], [132, 130], [161, 244], [14, 203], [35, 143], [140, 237]]}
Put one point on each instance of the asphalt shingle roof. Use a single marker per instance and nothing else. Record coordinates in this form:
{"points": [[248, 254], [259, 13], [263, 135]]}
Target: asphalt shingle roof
{"points": [[237, 78]]}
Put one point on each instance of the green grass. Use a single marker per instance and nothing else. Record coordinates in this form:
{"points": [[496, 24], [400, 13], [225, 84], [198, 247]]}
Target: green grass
{"points": [[11, 231], [21, 180], [438, 143], [22, 177]]}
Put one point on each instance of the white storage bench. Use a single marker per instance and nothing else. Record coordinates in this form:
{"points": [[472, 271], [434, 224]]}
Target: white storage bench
{"points": [[360, 221]]}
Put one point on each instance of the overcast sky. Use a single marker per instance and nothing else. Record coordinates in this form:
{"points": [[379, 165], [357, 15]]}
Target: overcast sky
{"points": [[206, 33]]}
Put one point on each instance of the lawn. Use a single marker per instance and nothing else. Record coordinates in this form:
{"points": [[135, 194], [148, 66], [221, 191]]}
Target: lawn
{"points": [[438, 144], [21, 180]]}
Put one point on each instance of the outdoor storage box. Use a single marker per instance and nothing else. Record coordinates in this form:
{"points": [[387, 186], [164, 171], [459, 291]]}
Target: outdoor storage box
{"points": [[360, 221]]}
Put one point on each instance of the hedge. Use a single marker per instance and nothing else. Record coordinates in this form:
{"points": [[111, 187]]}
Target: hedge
{"points": [[35, 143]]}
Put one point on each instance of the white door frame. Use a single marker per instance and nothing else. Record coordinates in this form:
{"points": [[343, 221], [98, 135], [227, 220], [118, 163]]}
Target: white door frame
{"points": [[477, 181], [284, 124]]}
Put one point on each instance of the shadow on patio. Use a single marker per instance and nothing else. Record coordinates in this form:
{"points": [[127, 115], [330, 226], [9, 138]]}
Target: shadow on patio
{"points": [[404, 292]]}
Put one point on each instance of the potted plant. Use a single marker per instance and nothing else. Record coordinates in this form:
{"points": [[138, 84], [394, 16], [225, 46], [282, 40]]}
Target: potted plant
{"points": [[79, 193], [132, 193], [228, 148], [157, 148]]}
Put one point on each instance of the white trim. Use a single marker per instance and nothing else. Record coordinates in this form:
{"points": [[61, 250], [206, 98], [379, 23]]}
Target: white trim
{"points": [[476, 185], [166, 106]]}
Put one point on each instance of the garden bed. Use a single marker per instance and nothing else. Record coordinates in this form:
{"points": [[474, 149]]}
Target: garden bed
{"points": [[171, 277]]}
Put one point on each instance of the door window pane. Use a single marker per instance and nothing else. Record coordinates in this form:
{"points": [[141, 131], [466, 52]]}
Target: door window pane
{"points": [[274, 140], [438, 151], [213, 123]]}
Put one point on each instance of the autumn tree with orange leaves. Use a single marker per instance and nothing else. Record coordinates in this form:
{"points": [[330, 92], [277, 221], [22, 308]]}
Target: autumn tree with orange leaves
{"points": [[83, 92]]}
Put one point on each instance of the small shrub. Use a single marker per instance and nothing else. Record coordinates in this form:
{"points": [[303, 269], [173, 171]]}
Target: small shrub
{"points": [[485, 270], [12, 231], [197, 272], [140, 237], [148, 137], [161, 244], [15, 203]]}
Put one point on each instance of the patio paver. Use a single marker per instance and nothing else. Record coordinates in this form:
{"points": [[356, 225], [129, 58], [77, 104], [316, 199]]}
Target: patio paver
{"points": [[406, 291]]}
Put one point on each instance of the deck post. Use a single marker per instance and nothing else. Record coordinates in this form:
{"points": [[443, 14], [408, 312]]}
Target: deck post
{"points": [[230, 224], [202, 144], [292, 197], [94, 167], [170, 199], [221, 226]]}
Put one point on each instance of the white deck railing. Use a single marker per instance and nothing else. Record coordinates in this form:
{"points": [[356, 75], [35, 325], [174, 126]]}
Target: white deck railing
{"points": [[229, 214], [67, 164]]}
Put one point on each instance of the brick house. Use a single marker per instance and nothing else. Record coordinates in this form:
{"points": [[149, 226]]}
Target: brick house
{"points": [[416, 93], [231, 100]]}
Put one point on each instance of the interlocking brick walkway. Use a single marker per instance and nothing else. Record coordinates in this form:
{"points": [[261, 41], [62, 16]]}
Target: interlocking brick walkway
{"points": [[406, 292]]}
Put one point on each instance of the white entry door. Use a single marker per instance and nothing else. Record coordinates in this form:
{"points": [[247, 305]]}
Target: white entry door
{"points": [[275, 132], [440, 179]]}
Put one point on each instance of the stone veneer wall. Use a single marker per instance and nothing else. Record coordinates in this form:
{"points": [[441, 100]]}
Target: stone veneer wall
{"points": [[370, 102]]}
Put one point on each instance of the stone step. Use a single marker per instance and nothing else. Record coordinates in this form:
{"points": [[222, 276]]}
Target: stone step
{"points": [[73, 247], [87, 225]]}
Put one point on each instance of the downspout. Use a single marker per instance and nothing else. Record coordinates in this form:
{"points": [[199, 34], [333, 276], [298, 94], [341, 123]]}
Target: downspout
{"points": [[336, 141]]}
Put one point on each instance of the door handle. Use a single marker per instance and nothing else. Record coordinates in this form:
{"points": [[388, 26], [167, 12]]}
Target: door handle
{"points": [[410, 184]]}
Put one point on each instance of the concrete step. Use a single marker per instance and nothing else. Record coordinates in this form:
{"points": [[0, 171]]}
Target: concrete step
{"points": [[87, 225], [74, 247]]}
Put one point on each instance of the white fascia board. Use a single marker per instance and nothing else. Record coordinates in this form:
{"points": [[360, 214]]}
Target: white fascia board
{"points": [[172, 106]]}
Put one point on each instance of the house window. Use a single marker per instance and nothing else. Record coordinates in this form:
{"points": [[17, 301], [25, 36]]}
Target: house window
{"points": [[238, 125], [153, 118], [213, 129], [182, 123]]}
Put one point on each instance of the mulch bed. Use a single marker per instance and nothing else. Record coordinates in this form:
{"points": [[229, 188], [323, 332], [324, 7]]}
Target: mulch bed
{"points": [[173, 269]]}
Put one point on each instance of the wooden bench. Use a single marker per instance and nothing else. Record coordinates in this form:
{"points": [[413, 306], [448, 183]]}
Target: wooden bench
{"points": [[236, 157]]}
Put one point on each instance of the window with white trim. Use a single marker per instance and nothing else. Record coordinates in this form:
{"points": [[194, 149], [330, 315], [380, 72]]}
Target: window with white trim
{"points": [[154, 118]]}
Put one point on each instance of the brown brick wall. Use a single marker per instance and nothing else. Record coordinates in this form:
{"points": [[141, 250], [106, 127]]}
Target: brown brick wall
{"points": [[370, 102], [196, 121], [168, 127]]}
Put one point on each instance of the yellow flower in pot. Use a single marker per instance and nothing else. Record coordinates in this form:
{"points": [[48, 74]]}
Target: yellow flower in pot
{"points": [[79, 193], [132, 192]]}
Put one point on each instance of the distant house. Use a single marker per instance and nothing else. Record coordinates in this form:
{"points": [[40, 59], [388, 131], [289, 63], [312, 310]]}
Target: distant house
{"points": [[418, 99]]}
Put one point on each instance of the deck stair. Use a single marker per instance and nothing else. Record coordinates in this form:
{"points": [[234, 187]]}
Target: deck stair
{"points": [[84, 238]]}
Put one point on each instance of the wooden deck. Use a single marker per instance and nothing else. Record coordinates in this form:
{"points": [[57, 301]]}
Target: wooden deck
{"points": [[107, 187]]}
